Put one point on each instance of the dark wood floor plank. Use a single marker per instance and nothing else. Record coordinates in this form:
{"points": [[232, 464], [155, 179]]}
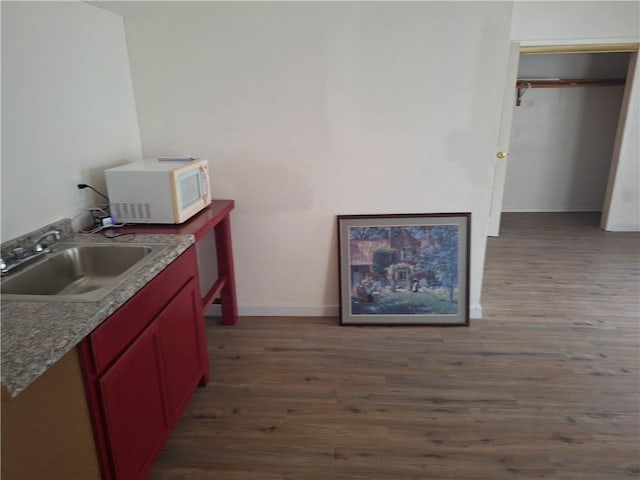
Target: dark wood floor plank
{"points": [[546, 385]]}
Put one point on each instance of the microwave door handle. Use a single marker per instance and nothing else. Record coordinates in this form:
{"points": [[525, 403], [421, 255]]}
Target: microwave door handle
{"points": [[205, 172]]}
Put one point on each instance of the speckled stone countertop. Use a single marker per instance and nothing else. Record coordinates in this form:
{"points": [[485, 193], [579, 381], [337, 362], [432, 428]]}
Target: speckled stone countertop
{"points": [[36, 334]]}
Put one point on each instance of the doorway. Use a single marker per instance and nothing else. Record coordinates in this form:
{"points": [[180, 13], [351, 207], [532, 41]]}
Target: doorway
{"points": [[564, 133]]}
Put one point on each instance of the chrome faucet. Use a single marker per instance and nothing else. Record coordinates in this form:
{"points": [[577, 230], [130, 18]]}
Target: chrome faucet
{"points": [[23, 256], [38, 246]]}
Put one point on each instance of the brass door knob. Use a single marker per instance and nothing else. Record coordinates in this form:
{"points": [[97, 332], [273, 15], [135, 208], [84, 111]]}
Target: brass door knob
{"points": [[501, 154]]}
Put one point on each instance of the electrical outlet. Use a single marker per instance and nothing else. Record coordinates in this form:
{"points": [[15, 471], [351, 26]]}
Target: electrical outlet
{"points": [[81, 199]]}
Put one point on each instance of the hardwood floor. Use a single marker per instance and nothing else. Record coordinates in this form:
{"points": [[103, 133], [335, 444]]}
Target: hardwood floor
{"points": [[546, 385]]}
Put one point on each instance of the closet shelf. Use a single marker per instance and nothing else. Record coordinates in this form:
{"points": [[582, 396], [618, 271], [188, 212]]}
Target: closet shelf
{"points": [[523, 84]]}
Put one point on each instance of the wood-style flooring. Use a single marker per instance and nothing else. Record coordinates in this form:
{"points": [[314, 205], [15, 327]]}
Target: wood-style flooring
{"points": [[546, 385]]}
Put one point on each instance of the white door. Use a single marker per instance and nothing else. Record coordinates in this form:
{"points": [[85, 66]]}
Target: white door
{"points": [[504, 136]]}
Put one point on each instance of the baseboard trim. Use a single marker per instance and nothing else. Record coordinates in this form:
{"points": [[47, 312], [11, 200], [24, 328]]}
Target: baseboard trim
{"points": [[475, 311], [281, 311], [551, 210], [213, 311], [623, 228]]}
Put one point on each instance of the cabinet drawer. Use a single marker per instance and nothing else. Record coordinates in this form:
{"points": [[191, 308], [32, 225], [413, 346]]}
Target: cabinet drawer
{"points": [[111, 338]]}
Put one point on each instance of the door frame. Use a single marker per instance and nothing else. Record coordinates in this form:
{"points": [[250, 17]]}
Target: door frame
{"points": [[504, 133], [629, 89], [504, 140]]}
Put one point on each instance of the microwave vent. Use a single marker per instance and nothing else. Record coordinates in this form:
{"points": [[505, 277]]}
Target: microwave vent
{"points": [[129, 212], [117, 210]]}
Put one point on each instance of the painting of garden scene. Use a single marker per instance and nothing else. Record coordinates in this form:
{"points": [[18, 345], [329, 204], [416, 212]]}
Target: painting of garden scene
{"points": [[399, 270]]}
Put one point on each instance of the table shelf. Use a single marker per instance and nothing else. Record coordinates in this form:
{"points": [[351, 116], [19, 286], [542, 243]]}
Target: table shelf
{"points": [[214, 217]]}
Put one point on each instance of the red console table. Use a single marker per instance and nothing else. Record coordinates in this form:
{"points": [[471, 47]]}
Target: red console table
{"points": [[215, 216]]}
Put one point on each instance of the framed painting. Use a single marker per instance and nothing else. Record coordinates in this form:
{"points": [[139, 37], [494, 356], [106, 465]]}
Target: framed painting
{"points": [[408, 269]]}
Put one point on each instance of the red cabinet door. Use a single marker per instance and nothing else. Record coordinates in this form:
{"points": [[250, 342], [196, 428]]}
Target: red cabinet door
{"points": [[181, 326], [134, 406]]}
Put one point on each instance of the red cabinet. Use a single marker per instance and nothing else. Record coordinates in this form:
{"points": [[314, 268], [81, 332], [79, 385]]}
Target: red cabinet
{"points": [[180, 343], [133, 404], [142, 365]]}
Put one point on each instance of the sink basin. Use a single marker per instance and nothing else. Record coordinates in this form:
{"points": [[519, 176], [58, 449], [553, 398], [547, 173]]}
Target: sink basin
{"points": [[76, 272]]}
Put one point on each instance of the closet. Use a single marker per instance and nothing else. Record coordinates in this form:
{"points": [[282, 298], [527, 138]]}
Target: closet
{"points": [[563, 131]]}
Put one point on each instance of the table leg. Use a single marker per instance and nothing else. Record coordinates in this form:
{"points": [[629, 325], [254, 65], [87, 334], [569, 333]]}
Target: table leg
{"points": [[225, 269]]}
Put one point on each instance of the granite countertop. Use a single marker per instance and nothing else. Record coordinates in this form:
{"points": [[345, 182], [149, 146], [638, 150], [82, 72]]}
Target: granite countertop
{"points": [[35, 334]]}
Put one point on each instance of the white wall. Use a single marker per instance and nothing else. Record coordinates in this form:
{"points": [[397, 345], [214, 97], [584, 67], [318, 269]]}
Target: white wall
{"points": [[562, 138], [306, 110], [310, 110], [538, 21], [67, 108]]}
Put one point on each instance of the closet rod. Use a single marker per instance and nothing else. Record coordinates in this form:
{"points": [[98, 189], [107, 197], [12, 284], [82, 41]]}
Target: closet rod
{"points": [[568, 82], [522, 85]]}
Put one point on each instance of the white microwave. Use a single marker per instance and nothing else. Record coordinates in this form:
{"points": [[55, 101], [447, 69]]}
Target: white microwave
{"points": [[156, 191]]}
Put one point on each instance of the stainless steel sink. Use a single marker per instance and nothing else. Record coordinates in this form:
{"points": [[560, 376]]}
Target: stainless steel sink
{"points": [[77, 272]]}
